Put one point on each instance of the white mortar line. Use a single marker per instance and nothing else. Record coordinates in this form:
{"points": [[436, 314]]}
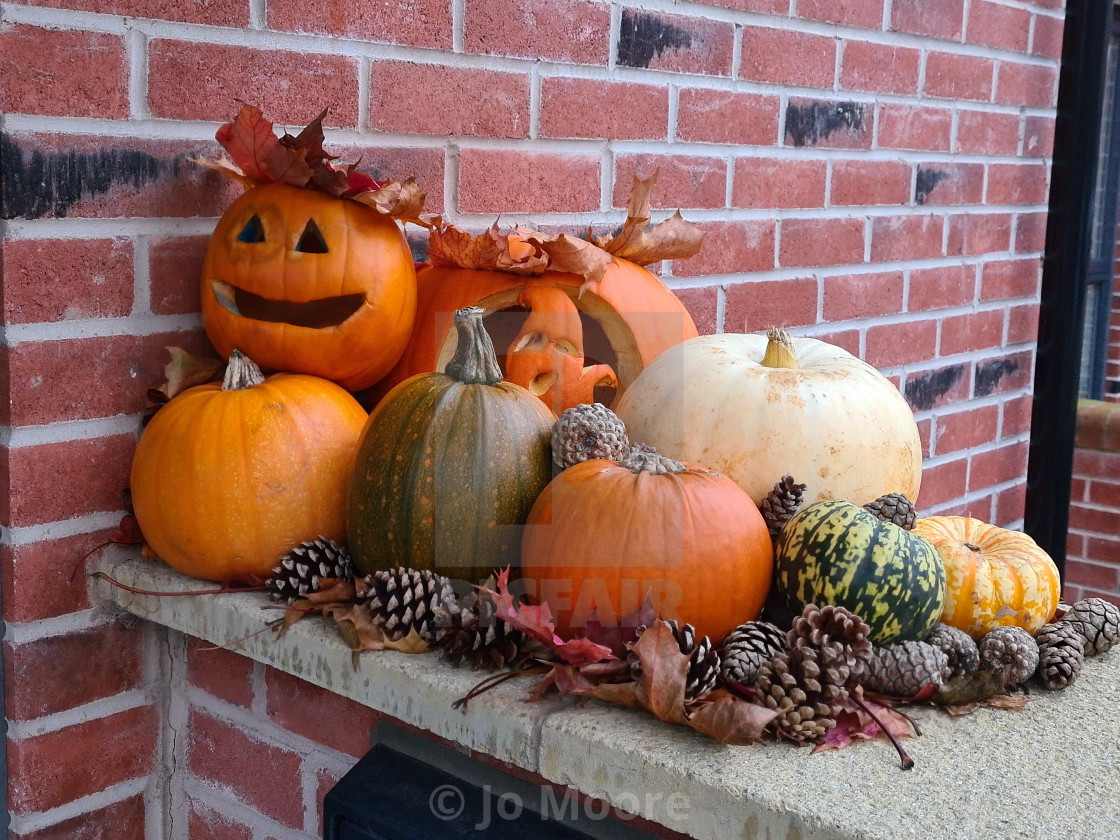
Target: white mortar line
{"points": [[458, 25], [174, 810], [77, 228], [133, 325], [534, 103], [136, 45], [63, 625], [365, 70], [18, 437], [141, 277], [258, 14], [19, 730], [41, 820], [91, 523], [721, 307]]}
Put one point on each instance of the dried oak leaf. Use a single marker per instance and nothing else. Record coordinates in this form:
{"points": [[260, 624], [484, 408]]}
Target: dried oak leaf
{"points": [[259, 153], [672, 239], [400, 200], [334, 593], [358, 630], [185, 370], [450, 247]]}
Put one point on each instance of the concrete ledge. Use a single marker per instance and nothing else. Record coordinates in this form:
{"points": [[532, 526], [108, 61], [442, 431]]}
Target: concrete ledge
{"points": [[1098, 425], [1048, 772]]}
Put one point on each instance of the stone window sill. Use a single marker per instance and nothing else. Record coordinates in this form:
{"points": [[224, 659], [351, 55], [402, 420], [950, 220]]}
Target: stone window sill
{"points": [[1048, 771]]}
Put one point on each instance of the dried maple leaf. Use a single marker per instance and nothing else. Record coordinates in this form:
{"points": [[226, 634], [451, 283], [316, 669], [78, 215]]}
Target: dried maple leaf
{"points": [[450, 247], [226, 167], [618, 637], [403, 201], [259, 153], [664, 671], [672, 239], [855, 722], [185, 370], [730, 720], [573, 255]]}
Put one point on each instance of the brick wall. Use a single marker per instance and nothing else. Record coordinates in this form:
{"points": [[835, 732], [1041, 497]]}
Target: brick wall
{"points": [[1093, 547], [872, 172]]}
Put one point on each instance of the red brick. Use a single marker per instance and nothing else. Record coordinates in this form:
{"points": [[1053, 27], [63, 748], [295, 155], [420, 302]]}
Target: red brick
{"points": [[1016, 416], [223, 753], [456, 101], [213, 12], [1112, 597], [867, 182], [775, 303], [1038, 137], [1010, 505], [47, 579], [1026, 84], [997, 466], [993, 25], [772, 6], [979, 233], [719, 116], [82, 378], [1078, 489], [1022, 324], [826, 124], [1030, 233], [1105, 493], [914, 127], [64, 73], [1004, 279], [324, 780], [1048, 34], [864, 13], [1089, 462], [906, 237], [44, 772], [844, 339], [289, 88], [942, 483], [950, 183], [493, 181], [731, 248], [811, 242], [987, 133], [57, 673], [206, 823], [765, 183], [925, 433], [785, 57], [396, 163], [318, 714], [701, 304], [890, 345], [974, 331], [681, 181], [1003, 374], [852, 296], [952, 76], [1096, 575], [936, 18], [1094, 519], [418, 23], [879, 67], [571, 31], [941, 288], [59, 481], [222, 673], [64, 279], [966, 429], [175, 267], [110, 822], [603, 110], [674, 43]]}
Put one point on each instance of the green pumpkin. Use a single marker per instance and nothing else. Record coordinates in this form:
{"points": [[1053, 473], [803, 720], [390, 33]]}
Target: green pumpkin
{"points": [[835, 552], [448, 467]]}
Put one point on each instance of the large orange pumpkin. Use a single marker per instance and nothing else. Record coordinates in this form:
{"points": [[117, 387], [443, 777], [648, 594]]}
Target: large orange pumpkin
{"points": [[993, 576], [305, 282], [228, 477], [603, 535]]}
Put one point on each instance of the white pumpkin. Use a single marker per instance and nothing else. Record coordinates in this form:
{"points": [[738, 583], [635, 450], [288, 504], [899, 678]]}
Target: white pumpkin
{"points": [[759, 407]]}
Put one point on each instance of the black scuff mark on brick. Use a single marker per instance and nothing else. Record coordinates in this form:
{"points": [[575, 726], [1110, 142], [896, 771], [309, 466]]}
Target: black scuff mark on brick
{"points": [[989, 374], [926, 181], [642, 37], [924, 390], [38, 184], [807, 125]]}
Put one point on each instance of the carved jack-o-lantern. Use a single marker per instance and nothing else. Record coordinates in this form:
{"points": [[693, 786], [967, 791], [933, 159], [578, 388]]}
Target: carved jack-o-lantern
{"points": [[302, 281]]}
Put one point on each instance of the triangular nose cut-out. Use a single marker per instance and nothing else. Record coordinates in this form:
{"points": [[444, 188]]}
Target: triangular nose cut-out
{"points": [[311, 241], [252, 232]]}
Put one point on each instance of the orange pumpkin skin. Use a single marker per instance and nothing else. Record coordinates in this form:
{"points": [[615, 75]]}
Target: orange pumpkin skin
{"points": [[225, 482], [600, 537], [639, 314], [993, 576], [344, 315]]}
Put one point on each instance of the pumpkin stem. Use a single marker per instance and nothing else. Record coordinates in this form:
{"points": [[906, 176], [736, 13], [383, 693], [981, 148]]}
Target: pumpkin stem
{"points": [[474, 362], [779, 350], [645, 458], [972, 547], [241, 373]]}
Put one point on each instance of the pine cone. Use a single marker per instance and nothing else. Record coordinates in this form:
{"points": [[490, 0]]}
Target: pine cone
{"points": [[746, 648], [586, 432], [839, 634], [896, 508], [905, 668], [1061, 652], [803, 715], [401, 600], [1098, 622], [703, 663], [964, 656], [471, 630], [301, 569], [1013, 650], [781, 503]]}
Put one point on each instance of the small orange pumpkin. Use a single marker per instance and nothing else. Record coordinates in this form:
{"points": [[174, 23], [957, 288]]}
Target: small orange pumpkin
{"points": [[228, 477], [602, 535], [993, 576]]}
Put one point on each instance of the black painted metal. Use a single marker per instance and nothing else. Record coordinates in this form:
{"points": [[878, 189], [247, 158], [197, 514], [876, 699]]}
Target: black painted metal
{"points": [[1068, 242]]}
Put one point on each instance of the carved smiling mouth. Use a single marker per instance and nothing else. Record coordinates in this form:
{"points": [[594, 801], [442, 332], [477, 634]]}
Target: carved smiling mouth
{"points": [[314, 314]]}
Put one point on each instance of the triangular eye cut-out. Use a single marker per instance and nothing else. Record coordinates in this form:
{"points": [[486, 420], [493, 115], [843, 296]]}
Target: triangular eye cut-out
{"points": [[252, 232], [311, 241]]}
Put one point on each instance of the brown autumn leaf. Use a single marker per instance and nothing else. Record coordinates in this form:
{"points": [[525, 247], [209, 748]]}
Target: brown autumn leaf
{"points": [[450, 247], [664, 670], [357, 628], [185, 370], [334, 593], [259, 153], [636, 241], [402, 201], [575, 256], [224, 166], [729, 719], [856, 723], [971, 688]]}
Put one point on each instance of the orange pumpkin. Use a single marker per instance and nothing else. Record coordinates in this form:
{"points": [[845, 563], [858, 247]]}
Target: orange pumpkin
{"points": [[993, 576], [638, 314], [603, 535], [305, 282], [228, 477]]}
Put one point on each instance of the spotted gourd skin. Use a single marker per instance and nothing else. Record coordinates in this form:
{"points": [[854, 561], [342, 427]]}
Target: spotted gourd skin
{"points": [[834, 552]]}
